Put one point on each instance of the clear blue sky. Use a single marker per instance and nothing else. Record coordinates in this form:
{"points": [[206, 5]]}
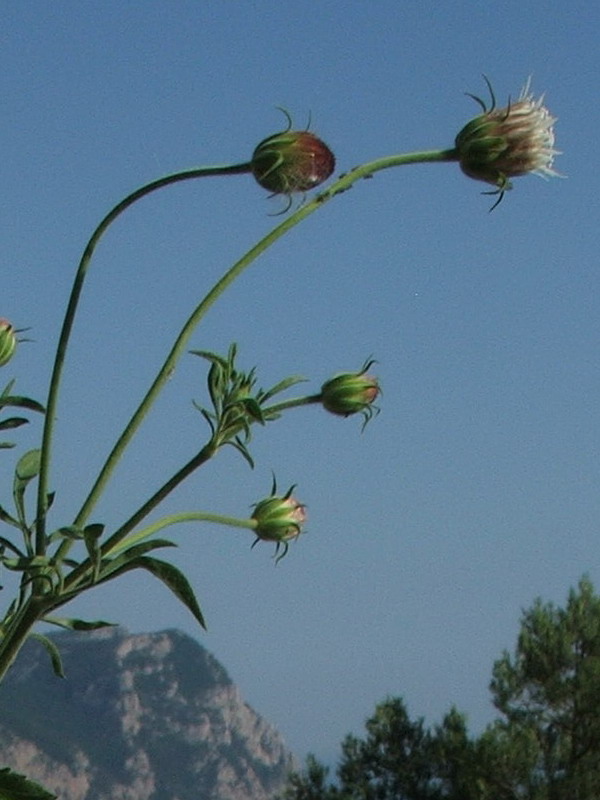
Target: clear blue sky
{"points": [[476, 488]]}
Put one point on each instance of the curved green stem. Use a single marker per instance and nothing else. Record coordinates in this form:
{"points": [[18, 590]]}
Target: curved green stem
{"points": [[294, 402], [341, 185], [197, 172], [32, 609], [175, 519], [200, 458]]}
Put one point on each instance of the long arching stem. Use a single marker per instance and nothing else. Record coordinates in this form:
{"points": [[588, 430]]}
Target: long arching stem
{"points": [[197, 172], [341, 185]]}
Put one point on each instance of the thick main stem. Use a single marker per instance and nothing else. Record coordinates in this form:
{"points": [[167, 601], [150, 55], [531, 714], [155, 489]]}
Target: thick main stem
{"points": [[18, 631]]}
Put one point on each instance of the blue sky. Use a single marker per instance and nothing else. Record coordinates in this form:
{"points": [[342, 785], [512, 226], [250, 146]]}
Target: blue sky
{"points": [[476, 488]]}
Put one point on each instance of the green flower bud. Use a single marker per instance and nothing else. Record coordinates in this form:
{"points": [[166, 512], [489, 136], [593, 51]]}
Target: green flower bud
{"points": [[351, 393], [8, 341], [508, 142], [292, 161], [279, 519]]}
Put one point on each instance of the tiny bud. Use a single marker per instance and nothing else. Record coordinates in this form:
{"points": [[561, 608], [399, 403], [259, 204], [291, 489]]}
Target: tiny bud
{"points": [[8, 341], [351, 393], [292, 161], [279, 519]]}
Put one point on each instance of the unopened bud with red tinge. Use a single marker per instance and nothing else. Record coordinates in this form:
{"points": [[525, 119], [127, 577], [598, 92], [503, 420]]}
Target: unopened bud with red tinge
{"points": [[292, 161]]}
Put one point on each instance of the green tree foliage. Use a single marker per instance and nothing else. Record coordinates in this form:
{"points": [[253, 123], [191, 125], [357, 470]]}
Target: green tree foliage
{"points": [[544, 746], [549, 695]]}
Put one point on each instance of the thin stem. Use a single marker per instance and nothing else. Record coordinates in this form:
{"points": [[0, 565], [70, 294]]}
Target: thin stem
{"points": [[294, 402], [341, 185], [200, 458], [184, 516], [33, 608], [197, 172]]}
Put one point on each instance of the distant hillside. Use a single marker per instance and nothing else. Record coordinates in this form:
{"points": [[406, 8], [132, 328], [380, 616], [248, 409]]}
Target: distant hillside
{"points": [[138, 717]]}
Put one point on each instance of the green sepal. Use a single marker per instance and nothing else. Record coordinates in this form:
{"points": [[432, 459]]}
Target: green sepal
{"points": [[14, 786], [53, 652]]}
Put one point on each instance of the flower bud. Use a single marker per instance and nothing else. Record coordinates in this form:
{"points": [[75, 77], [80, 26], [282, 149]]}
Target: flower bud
{"points": [[351, 393], [8, 341], [279, 519], [292, 161], [508, 142]]}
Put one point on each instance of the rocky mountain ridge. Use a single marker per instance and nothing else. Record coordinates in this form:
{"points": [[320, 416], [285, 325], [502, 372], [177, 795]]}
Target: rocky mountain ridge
{"points": [[138, 717]]}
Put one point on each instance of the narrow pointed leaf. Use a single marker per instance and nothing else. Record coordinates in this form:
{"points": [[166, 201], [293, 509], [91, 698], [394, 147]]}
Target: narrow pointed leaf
{"points": [[241, 448], [286, 383], [10, 546], [26, 563], [172, 577], [12, 422], [7, 390], [53, 652], [78, 624], [131, 554], [6, 517], [26, 470], [69, 532], [21, 402]]}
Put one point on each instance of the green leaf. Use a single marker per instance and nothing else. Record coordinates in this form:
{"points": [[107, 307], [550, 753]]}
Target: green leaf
{"points": [[7, 544], [78, 624], [26, 563], [126, 553], [172, 577], [21, 402], [286, 383], [26, 470], [6, 517], [91, 536], [28, 465], [12, 422], [7, 390], [241, 447], [53, 652], [17, 787], [70, 532], [253, 409]]}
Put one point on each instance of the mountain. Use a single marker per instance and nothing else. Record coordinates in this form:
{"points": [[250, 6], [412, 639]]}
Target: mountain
{"points": [[138, 717]]}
